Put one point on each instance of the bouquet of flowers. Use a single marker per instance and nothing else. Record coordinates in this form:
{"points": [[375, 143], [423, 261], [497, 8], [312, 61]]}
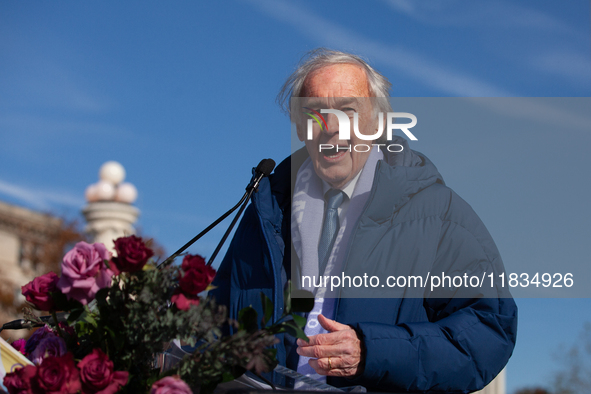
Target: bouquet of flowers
{"points": [[123, 311]]}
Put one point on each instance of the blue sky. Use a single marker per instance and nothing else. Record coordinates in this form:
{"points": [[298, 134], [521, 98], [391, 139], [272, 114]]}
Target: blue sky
{"points": [[182, 94]]}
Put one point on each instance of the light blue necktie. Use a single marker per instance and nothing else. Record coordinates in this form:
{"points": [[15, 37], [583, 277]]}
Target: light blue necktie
{"points": [[334, 198]]}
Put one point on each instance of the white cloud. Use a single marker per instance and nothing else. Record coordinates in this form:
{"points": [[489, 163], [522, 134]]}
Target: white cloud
{"points": [[39, 198], [470, 13], [402, 60], [407, 7], [567, 64], [566, 114], [546, 56]]}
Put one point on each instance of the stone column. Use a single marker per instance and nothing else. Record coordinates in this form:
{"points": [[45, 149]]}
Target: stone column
{"points": [[110, 213], [107, 221], [497, 386]]}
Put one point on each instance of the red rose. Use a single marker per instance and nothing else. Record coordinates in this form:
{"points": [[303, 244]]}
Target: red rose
{"points": [[183, 301], [37, 291], [97, 375], [132, 254], [194, 278], [19, 381], [193, 261], [196, 275], [57, 375]]}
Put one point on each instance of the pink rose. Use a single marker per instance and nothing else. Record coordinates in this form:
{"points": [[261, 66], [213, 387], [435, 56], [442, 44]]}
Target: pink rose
{"points": [[132, 254], [170, 385], [19, 345], [37, 291], [196, 275], [19, 380], [57, 375], [51, 346], [84, 272], [97, 375]]}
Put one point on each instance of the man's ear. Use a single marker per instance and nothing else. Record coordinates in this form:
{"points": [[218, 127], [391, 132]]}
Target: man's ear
{"points": [[384, 119], [301, 132]]}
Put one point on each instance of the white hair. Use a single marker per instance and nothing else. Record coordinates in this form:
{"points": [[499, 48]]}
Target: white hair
{"points": [[378, 85]]}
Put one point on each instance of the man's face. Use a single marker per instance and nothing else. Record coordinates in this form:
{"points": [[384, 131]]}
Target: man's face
{"points": [[337, 87]]}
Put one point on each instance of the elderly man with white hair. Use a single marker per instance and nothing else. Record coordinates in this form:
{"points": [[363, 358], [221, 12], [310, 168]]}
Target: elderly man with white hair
{"points": [[355, 206]]}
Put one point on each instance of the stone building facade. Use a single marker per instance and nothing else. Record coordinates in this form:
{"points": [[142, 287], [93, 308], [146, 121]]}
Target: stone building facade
{"points": [[31, 244]]}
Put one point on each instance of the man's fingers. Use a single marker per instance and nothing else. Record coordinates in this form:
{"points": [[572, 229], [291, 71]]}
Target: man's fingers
{"points": [[332, 338], [321, 351], [337, 353], [338, 366], [331, 325]]}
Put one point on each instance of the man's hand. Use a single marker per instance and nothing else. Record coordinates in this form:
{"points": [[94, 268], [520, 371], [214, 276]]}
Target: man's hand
{"points": [[337, 353]]}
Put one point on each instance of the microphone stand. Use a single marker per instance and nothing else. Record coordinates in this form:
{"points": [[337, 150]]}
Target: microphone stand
{"points": [[176, 254], [262, 170], [251, 188]]}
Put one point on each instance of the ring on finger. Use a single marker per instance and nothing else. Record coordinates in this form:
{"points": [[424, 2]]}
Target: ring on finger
{"points": [[329, 364]]}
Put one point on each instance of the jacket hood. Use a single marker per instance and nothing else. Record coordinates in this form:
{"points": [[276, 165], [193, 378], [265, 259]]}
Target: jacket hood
{"points": [[398, 177]]}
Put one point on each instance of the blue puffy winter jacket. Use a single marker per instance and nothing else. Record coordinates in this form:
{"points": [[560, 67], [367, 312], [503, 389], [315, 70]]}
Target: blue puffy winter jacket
{"points": [[410, 220]]}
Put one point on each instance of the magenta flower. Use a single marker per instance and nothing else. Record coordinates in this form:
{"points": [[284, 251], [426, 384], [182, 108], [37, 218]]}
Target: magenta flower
{"points": [[19, 380], [37, 292], [98, 376], [196, 276], [132, 254], [57, 375], [51, 346], [19, 345], [84, 272], [170, 385]]}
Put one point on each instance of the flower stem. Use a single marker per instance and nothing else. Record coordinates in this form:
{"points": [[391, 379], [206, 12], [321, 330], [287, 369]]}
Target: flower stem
{"points": [[57, 324]]}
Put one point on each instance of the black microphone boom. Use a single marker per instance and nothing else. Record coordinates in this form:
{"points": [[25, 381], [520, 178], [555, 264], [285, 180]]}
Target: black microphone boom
{"points": [[264, 169]]}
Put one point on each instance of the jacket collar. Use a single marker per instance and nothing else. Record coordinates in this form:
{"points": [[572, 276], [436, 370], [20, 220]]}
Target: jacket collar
{"points": [[398, 177]]}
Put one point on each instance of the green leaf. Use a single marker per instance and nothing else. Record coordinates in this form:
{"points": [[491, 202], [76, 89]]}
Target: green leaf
{"points": [[292, 329], [88, 317], [267, 309], [75, 314], [299, 320], [287, 299]]}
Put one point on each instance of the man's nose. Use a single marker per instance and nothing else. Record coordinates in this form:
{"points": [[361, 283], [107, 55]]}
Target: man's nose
{"points": [[332, 124]]}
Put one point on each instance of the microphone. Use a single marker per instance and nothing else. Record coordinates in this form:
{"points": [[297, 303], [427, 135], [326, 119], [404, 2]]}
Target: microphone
{"points": [[266, 166], [263, 169]]}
